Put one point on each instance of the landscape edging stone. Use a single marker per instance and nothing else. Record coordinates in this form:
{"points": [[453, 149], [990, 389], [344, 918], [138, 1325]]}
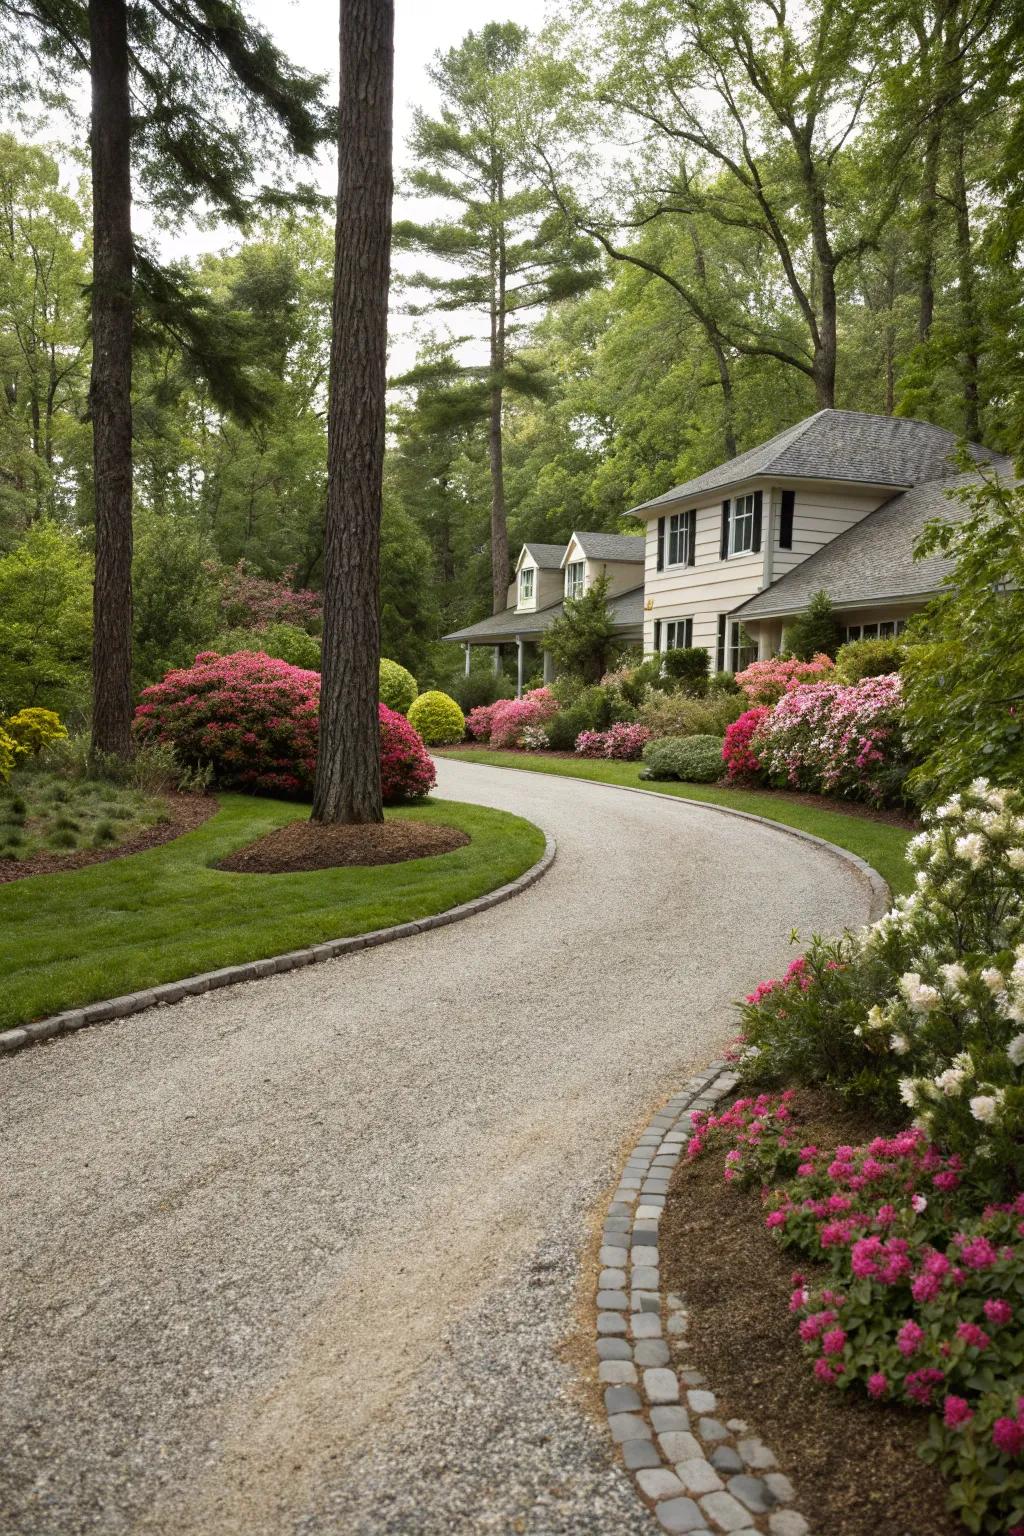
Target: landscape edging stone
{"points": [[696, 1474], [169, 992]]}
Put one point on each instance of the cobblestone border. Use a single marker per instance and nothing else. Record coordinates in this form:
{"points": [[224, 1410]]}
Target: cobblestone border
{"points": [[208, 981], [697, 1475]]}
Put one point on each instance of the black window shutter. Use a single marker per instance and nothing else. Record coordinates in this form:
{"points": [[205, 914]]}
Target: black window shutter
{"points": [[692, 519], [786, 520], [724, 555], [757, 522], [661, 543], [657, 628], [720, 650]]}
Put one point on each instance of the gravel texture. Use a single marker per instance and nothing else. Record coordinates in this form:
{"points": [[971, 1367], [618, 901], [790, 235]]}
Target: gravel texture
{"points": [[304, 1256]]}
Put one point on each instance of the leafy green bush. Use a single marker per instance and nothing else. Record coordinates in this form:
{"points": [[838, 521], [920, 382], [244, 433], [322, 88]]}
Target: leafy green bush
{"points": [[479, 688], [679, 714], [397, 686], [815, 632], [590, 709], [687, 666], [437, 718], [859, 659], [692, 759], [285, 642], [723, 682], [45, 622], [583, 639], [174, 594]]}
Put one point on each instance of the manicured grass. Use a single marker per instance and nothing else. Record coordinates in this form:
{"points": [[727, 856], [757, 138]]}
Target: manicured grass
{"points": [[73, 938], [45, 812], [881, 845]]}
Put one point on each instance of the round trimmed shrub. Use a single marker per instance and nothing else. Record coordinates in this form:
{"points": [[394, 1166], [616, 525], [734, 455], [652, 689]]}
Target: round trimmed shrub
{"points": [[253, 720], [398, 688], [859, 659], [286, 642], [693, 759], [438, 718]]}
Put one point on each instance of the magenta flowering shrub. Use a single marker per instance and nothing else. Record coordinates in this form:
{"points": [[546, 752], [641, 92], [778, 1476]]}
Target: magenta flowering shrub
{"points": [[921, 1299], [741, 761], [509, 717], [248, 601], [478, 722], [836, 740], [624, 741], [765, 682], [253, 719]]}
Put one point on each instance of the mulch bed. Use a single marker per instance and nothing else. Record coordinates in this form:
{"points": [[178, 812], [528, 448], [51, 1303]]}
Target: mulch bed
{"points": [[184, 812], [893, 817], [853, 1463], [306, 845]]}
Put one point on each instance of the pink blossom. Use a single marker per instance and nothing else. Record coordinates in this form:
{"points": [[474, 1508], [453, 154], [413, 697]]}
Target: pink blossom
{"points": [[1008, 1437], [910, 1338], [973, 1336], [956, 1412], [878, 1384], [999, 1313], [833, 1342]]}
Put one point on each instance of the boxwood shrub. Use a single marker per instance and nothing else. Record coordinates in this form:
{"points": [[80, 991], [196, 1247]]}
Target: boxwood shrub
{"points": [[437, 718], [398, 687]]}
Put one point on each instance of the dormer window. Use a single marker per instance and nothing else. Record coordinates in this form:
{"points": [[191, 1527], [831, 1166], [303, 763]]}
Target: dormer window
{"points": [[526, 584], [574, 575]]}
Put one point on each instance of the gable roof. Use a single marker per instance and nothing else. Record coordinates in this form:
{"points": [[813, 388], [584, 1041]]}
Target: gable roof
{"points": [[548, 557], [627, 610], [610, 546], [873, 560], [849, 446]]}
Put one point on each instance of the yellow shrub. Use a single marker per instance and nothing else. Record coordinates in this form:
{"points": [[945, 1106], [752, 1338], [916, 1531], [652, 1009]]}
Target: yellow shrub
{"points": [[8, 754], [30, 730], [437, 718]]}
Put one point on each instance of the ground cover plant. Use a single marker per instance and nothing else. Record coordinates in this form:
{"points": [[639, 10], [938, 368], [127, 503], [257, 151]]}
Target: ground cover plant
{"points": [[71, 938], [691, 759], [46, 812], [879, 839]]}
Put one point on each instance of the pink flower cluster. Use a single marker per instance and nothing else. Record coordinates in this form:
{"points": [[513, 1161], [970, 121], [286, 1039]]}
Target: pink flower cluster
{"points": [[623, 741], [741, 761], [502, 723], [764, 682], [254, 602], [255, 720], [833, 739], [796, 974]]}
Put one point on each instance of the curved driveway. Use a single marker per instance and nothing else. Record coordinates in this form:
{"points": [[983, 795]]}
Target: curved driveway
{"points": [[303, 1256]]}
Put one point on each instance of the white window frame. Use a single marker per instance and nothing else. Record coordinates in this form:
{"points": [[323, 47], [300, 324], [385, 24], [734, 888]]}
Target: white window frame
{"points": [[575, 578], [893, 627], [742, 517], [735, 659], [672, 627], [526, 584], [679, 525]]}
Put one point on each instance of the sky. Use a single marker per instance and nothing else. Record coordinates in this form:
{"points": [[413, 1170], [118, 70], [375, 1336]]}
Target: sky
{"points": [[307, 30]]}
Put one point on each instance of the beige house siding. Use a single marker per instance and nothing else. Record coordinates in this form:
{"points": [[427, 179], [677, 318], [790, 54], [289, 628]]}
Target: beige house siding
{"points": [[820, 512], [548, 585], [623, 575]]}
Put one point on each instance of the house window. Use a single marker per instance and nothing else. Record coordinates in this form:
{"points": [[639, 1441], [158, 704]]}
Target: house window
{"points": [[526, 584], [884, 630], [574, 579], [681, 529], [741, 532], [742, 649], [676, 633]]}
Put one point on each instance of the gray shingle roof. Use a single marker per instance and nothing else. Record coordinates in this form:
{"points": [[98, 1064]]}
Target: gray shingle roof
{"points": [[835, 445], [627, 609], [873, 560], [547, 556], [611, 546]]}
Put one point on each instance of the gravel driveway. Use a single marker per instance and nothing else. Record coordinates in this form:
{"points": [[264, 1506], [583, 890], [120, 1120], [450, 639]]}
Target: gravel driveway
{"points": [[304, 1256]]}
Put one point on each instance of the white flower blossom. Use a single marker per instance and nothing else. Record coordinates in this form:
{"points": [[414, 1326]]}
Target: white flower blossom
{"points": [[921, 998], [876, 1018], [899, 1043], [979, 787], [908, 1092], [950, 807], [993, 979], [971, 849], [951, 1082], [919, 1203], [1015, 1050], [954, 975], [985, 1107]]}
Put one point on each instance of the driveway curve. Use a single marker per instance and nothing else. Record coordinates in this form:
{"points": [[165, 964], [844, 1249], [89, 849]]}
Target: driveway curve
{"points": [[303, 1256]]}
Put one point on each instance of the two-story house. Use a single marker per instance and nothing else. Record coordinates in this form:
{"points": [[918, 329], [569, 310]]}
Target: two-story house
{"points": [[547, 574], [833, 504]]}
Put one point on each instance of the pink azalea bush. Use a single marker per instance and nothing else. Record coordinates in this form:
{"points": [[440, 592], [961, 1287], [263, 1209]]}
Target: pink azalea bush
{"points": [[765, 682], [836, 740], [919, 1295], [623, 741], [248, 601], [254, 720], [503, 723], [741, 761]]}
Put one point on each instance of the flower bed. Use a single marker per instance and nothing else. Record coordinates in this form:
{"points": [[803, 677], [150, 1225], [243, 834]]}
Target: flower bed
{"points": [[504, 723], [623, 741], [765, 682]]}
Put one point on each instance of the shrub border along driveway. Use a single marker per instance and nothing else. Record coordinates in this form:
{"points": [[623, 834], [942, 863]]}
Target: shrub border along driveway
{"points": [[207, 981]]}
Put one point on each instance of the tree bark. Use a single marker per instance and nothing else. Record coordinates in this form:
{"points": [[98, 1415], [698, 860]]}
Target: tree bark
{"points": [[110, 389], [928, 219], [970, 367], [495, 452], [348, 778]]}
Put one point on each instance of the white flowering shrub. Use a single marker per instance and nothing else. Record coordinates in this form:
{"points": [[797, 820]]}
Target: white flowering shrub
{"points": [[925, 1008]]}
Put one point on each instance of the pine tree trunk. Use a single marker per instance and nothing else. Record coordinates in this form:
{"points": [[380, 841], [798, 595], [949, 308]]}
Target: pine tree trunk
{"points": [[928, 219], [348, 782], [970, 365], [110, 389], [495, 447]]}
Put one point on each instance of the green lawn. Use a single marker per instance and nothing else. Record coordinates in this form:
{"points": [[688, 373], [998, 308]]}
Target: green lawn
{"points": [[69, 939], [882, 846]]}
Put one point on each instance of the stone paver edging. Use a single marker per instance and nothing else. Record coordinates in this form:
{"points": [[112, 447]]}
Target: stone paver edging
{"points": [[253, 970], [698, 1475], [881, 895]]}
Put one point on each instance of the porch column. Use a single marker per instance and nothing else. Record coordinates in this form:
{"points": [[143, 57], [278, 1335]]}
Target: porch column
{"points": [[549, 667], [519, 666], [467, 648], [497, 660], [764, 642]]}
